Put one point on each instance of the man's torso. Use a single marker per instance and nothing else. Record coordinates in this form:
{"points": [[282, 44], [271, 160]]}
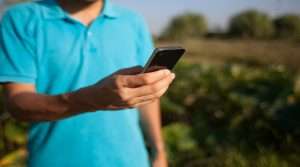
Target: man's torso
{"points": [[69, 56]]}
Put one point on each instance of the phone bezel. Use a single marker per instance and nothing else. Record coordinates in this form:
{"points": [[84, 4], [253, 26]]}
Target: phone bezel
{"points": [[160, 49]]}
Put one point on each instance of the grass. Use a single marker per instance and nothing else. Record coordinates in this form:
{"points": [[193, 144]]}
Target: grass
{"points": [[216, 51]]}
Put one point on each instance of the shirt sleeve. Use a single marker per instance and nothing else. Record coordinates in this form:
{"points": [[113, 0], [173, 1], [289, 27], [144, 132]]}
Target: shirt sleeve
{"points": [[17, 53], [144, 42]]}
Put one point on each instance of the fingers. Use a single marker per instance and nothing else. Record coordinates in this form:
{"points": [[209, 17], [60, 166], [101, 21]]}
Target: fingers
{"points": [[145, 78], [142, 88], [153, 89], [147, 94], [139, 101], [149, 98], [143, 103]]}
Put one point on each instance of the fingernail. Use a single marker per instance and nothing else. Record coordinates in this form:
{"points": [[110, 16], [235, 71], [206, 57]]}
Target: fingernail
{"points": [[173, 76], [167, 72]]}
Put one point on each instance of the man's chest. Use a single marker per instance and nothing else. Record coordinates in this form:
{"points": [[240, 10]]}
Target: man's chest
{"points": [[69, 47]]}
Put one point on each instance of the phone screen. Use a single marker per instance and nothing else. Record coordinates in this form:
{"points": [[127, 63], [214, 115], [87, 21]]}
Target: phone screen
{"points": [[164, 58]]}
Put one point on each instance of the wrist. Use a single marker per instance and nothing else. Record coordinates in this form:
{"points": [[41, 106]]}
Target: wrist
{"points": [[158, 148], [77, 101], [160, 155]]}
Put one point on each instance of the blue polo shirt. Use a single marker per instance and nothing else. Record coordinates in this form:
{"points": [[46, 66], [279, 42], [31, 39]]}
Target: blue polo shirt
{"points": [[42, 45]]}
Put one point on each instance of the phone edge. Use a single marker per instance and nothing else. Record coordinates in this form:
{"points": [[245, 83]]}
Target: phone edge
{"points": [[159, 49], [156, 50]]}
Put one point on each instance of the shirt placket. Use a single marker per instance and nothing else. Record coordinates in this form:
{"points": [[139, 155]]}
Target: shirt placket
{"points": [[89, 35], [87, 41]]}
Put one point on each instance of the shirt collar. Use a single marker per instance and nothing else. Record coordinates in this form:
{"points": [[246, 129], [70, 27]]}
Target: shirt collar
{"points": [[52, 10], [109, 9]]}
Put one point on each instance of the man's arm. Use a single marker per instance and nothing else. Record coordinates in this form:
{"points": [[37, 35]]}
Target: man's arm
{"points": [[124, 89], [151, 124], [25, 104]]}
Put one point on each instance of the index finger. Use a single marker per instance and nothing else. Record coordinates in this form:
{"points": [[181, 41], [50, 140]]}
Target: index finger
{"points": [[134, 81]]}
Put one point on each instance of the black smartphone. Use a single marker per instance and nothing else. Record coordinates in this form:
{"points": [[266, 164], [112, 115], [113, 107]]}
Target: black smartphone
{"points": [[164, 57]]}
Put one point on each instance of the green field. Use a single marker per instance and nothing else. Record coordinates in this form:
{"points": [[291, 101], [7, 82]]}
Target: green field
{"points": [[217, 51], [235, 103]]}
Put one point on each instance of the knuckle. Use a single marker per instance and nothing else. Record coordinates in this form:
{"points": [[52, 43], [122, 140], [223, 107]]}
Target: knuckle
{"points": [[155, 87], [152, 88], [118, 81], [146, 79], [123, 93], [159, 94], [130, 103]]}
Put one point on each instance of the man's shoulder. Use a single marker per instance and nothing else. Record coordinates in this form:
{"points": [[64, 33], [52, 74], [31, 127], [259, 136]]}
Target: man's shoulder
{"points": [[22, 10], [22, 17]]}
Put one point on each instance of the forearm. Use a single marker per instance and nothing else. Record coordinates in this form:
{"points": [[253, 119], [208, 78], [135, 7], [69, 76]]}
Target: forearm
{"points": [[34, 107], [151, 125], [126, 88]]}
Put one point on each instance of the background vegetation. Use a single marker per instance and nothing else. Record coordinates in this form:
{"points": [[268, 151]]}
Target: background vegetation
{"points": [[235, 102], [185, 26], [287, 26], [251, 24], [233, 115]]}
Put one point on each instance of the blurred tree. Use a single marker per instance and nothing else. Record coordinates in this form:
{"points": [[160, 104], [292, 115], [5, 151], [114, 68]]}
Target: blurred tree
{"points": [[181, 147], [251, 24], [186, 26], [288, 26]]}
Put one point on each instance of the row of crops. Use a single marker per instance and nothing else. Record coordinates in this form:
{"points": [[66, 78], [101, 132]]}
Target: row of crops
{"points": [[214, 116]]}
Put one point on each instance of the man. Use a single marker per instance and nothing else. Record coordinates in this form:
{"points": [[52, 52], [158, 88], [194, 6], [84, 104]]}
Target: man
{"points": [[67, 67]]}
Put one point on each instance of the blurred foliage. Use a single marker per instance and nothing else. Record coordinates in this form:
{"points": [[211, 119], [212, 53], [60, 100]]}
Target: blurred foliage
{"points": [[181, 144], [12, 139], [186, 26], [288, 26], [247, 24], [251, 24], [14, 159], [233, 115]]}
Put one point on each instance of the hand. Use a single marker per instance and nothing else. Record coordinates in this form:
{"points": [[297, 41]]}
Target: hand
{"points": [[160, 160], [128, 88]]}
